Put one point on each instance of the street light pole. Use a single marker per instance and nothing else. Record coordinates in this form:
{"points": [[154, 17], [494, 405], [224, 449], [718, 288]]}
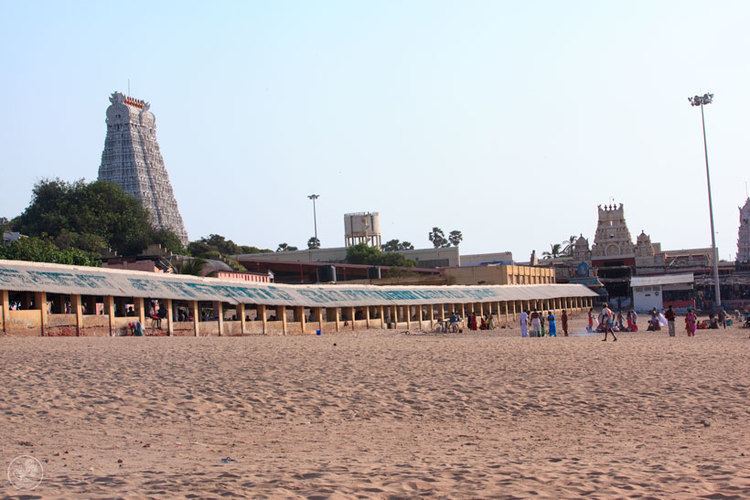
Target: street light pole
{"points": [[314, 197], [701, 101]]}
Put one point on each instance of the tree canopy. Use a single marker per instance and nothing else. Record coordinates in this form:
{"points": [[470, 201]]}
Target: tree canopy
{"points": [[217, 247], [215, 244], [313, 243], [92, 217], [396, 245], [40, 250], [363, 253], [438, 239], [283, 247]]}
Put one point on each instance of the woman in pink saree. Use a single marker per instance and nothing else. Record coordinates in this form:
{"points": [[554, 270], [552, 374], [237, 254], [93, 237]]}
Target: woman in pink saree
{"points": [[691, 323]]}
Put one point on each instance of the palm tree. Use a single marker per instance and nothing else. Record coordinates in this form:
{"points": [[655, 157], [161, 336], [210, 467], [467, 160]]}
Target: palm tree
{"points": [[568, 248], [554, 251], [455, 237], [188, 265], [437, 237]]}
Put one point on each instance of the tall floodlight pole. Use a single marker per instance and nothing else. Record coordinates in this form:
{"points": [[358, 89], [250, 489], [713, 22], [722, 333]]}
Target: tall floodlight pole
{"points": [[314, 197], [701, 101]]}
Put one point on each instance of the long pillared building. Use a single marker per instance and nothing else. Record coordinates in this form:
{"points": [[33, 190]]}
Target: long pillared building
{"points": [[132, 159]]}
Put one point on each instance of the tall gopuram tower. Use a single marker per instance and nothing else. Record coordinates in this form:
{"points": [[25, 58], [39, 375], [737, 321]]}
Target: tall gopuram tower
{"points": [[743, 234], [132, 159]]}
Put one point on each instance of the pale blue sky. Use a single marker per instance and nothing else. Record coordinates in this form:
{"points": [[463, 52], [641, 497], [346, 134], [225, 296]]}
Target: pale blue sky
{"points": [[509, 121]]}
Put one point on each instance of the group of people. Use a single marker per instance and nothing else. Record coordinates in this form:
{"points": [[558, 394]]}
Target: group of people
{"points": [[608, 319], [454, 323], [541, 324], [608, 322]]}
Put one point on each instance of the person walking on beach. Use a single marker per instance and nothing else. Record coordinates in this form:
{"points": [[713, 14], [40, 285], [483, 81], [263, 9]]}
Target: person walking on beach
{"points": [[691, 322], [542, 331], [590, 328], [670, 320], [524, 324], [722, 317], [608, 321], [552, 324], [564, 319], [472, 321], [632, 321], [453, 322], [536, 324]]}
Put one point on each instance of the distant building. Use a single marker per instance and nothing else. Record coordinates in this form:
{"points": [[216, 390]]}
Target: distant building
{"points": [[499, 275], [658, 292], [132, 160], [486, 259]]}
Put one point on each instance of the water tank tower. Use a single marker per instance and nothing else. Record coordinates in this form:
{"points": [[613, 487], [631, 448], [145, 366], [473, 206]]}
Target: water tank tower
{"points": [[362, 227]]}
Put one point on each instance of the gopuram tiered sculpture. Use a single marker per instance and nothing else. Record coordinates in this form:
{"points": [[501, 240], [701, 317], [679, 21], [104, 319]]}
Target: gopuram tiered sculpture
{"points": [[132, 159]]}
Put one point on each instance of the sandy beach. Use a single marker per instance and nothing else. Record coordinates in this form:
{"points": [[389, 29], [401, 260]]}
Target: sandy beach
{"points": [[375, 414]]}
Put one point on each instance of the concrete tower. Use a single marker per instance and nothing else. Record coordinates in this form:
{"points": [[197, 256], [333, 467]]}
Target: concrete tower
{"points": [[132, 159], [743, 234]]}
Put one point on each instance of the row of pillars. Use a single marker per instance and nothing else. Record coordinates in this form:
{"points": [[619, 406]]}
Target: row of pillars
{"points": [[374, 316]]}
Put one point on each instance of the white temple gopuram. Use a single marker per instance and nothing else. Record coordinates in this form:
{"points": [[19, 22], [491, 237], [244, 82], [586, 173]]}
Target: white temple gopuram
{"points": [[132, 159]]}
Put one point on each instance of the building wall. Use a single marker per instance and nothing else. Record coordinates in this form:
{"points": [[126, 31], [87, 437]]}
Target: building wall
{"points": [[500, 275], [479, 259], [646, 298]]}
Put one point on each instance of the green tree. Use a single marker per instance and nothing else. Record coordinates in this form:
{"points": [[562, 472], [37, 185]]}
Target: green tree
{"points": [[455, 237], [391, 246], [189, 265], [396, 246], [168, 240], [87, 217], [313, 243], [40, 250], [437, 237], [363, 253], [250, 249], [283, 247]]}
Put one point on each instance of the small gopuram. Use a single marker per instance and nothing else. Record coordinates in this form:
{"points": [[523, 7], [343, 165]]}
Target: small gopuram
{"points": [[612, 241], [132, 159], [743, 234], [613, 252]]}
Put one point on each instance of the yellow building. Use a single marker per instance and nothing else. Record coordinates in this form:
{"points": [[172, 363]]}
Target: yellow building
{"points": [[500, 275]]}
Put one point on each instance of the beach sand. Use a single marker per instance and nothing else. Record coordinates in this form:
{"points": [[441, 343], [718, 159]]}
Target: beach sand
{"points": [[376, 413]]}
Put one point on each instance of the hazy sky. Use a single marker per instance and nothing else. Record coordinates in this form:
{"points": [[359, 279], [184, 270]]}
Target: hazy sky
{"points": [[509, 121]]}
